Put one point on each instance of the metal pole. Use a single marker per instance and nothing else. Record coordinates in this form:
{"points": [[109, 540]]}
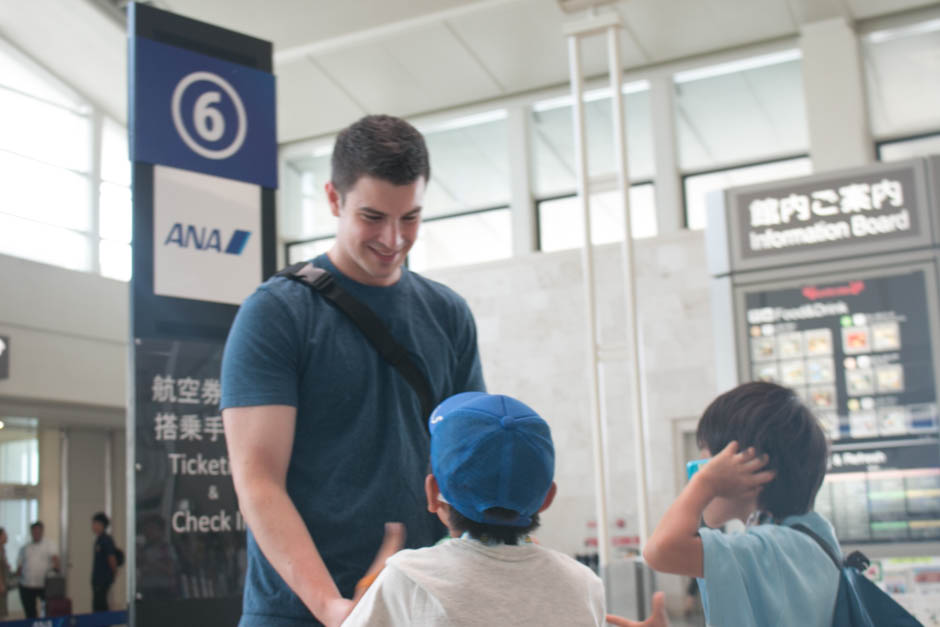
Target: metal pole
{"points": [[629, 274], [587, 257], [64, 507]]}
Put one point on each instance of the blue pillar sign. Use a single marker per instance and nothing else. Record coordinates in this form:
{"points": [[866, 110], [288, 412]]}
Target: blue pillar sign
{"points": [[203, 114], [203, 143]]}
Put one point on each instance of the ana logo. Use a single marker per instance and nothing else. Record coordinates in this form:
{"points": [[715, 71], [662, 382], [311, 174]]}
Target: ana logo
{"points": [[203, 238]]}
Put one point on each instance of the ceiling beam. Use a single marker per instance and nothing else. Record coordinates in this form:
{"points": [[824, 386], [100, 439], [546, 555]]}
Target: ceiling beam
{"points": [[372, 35]]}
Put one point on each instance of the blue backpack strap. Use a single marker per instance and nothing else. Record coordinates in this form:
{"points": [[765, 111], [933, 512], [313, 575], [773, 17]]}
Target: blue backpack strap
{"points": [[860, 603], [831, 552]]}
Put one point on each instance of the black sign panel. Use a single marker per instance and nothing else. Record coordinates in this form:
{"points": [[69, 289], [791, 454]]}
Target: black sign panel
{"points": [[190, 534], [857, 351], [4, 357], [884, 493]]}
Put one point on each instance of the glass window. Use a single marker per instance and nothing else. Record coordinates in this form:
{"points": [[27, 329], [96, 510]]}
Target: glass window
{"points": [[315, 218], [462, 240], [469, 164], [909, 148], [304, 251], [748, 110], [552, 138], [114, 212], [24, 238], [44, 193], [45, 156], [115, 158], [19, 451], [561, 226], [698, 186], [114, 259], [43, 131], [20, 74], [901, 77]]}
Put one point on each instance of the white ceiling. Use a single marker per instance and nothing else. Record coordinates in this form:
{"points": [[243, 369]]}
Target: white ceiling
{"points": [[336, 60]]}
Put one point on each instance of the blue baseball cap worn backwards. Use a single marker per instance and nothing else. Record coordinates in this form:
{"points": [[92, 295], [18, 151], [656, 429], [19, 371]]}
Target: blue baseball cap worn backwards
{"points": [[490, 451]]}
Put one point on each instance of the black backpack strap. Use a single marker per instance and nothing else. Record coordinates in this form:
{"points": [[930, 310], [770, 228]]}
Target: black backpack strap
{"points": [[371, 326]]}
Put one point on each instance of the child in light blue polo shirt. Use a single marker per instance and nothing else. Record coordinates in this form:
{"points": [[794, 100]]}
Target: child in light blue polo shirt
{"points": [[769, 460]]}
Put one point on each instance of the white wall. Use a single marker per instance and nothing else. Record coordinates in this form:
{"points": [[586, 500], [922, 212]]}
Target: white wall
{"points": [[530, 320], [68, 336], [530, 316], [68, 361]]}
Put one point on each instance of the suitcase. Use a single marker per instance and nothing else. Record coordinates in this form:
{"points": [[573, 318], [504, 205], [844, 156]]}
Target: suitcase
{"points": [[58, 607], [55, 586]]}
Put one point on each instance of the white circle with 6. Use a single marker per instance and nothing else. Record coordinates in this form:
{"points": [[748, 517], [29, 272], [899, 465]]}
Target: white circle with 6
{"points": [[208, 120]]}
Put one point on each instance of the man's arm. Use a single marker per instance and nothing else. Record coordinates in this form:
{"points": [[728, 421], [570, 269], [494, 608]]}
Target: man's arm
{"points": [[260, 440]]}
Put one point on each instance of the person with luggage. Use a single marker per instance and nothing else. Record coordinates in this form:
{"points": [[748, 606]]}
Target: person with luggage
{"points": [[327, 436], [35, 561]]}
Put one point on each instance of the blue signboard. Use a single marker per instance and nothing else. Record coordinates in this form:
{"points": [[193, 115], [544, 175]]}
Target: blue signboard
{"points": [[196, 112]]}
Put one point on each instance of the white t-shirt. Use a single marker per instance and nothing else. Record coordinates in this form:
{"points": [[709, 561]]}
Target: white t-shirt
{"points": [[36, 560], [465, 583]]}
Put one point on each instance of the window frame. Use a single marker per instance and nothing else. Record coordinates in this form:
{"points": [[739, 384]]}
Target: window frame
{"points": [[684, 176], [900, 139], [457, 214]]}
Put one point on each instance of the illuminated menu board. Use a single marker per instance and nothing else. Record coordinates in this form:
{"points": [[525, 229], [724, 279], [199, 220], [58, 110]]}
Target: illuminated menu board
{"points": [[858, 352]]}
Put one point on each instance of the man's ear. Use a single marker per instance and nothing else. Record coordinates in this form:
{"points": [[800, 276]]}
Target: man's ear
{"points": [[552, 491], [333, 197], [432, 491]]}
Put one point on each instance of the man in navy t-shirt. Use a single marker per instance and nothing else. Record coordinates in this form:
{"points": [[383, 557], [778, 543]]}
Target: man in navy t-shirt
{"points": [[327, 441], [104, 567]]}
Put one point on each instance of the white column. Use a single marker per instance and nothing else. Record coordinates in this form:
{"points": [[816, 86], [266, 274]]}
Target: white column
{"points": [[667, 182], [524, 223], [836, 110]]}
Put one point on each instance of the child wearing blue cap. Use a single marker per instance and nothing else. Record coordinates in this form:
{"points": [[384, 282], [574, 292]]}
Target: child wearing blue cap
{"points": [[492, 471]]}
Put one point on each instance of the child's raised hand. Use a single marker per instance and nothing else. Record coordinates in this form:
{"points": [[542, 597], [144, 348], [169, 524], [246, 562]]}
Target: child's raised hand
{"points": [[657, 619], [392, 543], [734, 473]]}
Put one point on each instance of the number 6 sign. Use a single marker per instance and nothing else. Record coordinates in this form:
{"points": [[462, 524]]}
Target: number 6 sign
{"points": [[208, 121]]}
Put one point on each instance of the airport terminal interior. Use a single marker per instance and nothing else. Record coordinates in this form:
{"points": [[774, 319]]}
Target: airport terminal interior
{"points": [[779, 162]]}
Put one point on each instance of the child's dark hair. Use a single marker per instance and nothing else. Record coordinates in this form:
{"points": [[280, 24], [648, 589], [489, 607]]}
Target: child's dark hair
{"points": [[102, 518], [774, 421], [380, 146], [497, 533]]}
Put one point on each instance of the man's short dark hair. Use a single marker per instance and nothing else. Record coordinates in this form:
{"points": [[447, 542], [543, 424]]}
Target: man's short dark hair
{"points": [[504, 534], [380, 146], [102, 518], [773, 420], [36, 524]]}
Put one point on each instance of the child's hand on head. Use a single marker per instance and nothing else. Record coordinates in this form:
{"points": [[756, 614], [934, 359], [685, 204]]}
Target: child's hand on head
{"points": [[733, 473]]}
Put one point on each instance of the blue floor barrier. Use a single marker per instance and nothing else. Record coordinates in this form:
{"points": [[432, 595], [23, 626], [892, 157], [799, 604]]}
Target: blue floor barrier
{"points": [[98, 619]]}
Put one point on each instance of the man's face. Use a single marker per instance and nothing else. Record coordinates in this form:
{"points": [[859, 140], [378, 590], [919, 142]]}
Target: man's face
{"points": [[378, 224], [36, 532], [97, 528]]}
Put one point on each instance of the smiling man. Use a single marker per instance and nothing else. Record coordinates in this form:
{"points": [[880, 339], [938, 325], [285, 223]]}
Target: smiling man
{"points": [[326, 440]]}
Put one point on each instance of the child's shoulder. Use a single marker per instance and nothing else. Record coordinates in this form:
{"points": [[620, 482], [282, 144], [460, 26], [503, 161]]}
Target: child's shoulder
{"points": [[470, 553], [776, 538]]}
